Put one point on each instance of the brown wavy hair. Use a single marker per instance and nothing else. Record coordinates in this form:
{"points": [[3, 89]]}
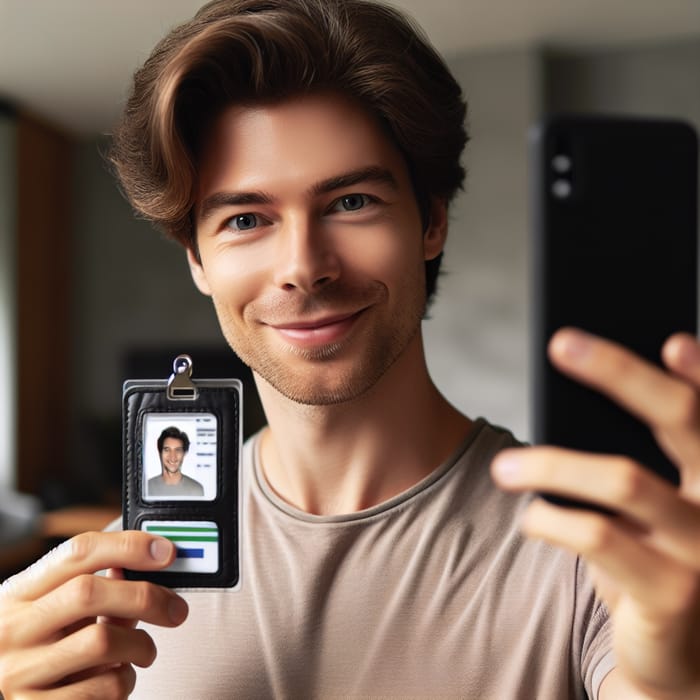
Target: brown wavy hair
{"points": [[235, 51]]}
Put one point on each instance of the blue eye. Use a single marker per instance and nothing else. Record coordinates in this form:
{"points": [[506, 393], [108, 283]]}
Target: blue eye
{"points": [[243, 222], [353, 202]]}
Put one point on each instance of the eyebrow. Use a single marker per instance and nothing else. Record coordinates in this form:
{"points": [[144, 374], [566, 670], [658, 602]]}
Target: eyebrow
{"points": [[371, 173], [219, 200]]}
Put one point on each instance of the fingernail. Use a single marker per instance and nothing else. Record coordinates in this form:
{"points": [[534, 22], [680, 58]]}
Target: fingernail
{"points": [[177, 610], [687, 352], [574, 344], [507, 468], [161, 549]]}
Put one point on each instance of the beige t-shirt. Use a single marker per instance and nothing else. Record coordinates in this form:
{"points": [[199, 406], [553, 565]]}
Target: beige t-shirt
{"points": [[433, 594]]}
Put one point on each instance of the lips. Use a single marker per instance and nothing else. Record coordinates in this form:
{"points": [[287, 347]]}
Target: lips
{"points": [[320, 331], [316, 323]]}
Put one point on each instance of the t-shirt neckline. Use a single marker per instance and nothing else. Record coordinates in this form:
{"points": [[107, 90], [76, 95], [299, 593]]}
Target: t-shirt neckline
{"points": [[397, 501]]}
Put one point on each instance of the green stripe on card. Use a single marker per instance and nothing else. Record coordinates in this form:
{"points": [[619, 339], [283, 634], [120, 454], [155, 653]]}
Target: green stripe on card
{"points": [[173, 528], [178, 538]]}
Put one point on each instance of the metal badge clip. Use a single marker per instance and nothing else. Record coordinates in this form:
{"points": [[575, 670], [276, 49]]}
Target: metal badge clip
{"points": [[180, 386]]}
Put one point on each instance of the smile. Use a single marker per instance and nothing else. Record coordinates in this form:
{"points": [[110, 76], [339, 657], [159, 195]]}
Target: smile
{"points": [[323, 331]]}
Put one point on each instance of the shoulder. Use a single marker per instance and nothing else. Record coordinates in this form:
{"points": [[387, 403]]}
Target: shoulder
{"points": [[191, 485], [470, 463], [490, 438]]}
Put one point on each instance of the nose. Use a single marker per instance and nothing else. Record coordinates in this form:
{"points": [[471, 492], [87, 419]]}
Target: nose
{"points": [[306, 258]]}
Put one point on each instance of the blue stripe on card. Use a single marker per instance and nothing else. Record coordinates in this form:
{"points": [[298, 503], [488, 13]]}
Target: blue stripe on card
{"points": [[183, 553]]}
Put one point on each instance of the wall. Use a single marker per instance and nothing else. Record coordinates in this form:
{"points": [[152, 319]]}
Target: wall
{"points": [[132, 289], [651, 80], [8, 300], [477, 340]]}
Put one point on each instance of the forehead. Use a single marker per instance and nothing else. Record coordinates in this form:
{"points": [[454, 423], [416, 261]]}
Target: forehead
{"points": [[172, 442], [301, 140]]}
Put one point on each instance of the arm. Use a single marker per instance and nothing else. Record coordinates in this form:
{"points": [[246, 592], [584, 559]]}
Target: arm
{"points": [[66, 632], [645, 562]]}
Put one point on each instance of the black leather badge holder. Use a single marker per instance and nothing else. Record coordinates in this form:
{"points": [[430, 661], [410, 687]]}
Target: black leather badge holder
{"points": [[181, 464]]}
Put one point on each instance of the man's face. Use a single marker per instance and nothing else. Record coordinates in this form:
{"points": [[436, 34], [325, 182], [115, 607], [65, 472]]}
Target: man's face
{"points": [[172, 455], [311, 245]]}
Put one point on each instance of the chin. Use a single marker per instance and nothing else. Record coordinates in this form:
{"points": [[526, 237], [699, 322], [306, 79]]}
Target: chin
{"points": [[324, 386]]}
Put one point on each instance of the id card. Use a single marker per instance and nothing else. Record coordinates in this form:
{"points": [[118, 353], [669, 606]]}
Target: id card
{"points": [[182, 442]]}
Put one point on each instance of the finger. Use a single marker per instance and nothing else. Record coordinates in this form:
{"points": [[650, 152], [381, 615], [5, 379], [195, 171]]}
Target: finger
{"points": [[643, 573], [92, 646], [681, 353], [115, 574], [86, 554], [642, 388], [88, 596], [124, 622], [619, 484], [112, 682], [668, 403]]}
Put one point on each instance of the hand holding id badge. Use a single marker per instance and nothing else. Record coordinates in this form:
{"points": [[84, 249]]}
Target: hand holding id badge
{"points": [[181, 462]]}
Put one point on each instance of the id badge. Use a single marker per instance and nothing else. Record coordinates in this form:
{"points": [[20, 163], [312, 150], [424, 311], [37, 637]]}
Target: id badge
{"points": [[182, 442]]}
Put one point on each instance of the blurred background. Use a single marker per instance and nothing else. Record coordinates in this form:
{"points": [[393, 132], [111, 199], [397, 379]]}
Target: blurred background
{"points": [[90, 296]]}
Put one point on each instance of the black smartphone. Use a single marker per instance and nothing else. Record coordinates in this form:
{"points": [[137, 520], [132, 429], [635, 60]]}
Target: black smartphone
{"points": [[614, 253]]}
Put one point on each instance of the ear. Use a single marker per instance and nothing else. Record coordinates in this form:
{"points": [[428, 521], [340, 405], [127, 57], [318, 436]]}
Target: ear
{"points": [[435, 233], [197, 272]]}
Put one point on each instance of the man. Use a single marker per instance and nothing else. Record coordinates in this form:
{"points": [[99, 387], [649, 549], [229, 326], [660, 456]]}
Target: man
{"points": [[305, 152], [173, 445]]}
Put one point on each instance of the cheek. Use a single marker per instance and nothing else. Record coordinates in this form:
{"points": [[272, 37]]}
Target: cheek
{"points": [[392, 243], [391, 256], [235, 279]]}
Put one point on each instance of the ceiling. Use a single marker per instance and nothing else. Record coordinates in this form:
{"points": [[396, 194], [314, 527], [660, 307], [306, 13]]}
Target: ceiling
{"points": [[70, 60]]}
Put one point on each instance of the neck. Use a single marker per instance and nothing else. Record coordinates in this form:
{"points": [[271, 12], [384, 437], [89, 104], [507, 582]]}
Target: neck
{"points": [[350, 456], [172, 477]]}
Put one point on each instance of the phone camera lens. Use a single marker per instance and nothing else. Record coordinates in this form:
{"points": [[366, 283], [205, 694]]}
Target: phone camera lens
{"points": [[561, 188], [561, 163]]}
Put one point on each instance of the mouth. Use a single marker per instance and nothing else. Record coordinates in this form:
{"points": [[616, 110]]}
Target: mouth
{"points": [[320, 331]]}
